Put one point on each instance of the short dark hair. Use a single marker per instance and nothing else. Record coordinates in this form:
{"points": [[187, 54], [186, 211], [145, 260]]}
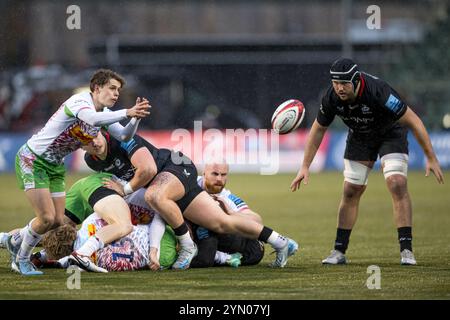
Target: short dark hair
{"points": [[102, 77]]}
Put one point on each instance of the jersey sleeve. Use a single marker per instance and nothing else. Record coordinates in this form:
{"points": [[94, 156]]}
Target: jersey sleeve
{"points": [[326, 114], [236, 203], [390, 100], [98, 119], [132, 145], [124, 133], [73, 108]]}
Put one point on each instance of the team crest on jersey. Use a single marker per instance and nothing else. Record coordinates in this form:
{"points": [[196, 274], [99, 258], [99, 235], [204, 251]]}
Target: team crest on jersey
{"points": [[84, 134], [70, 140], [365, 109]]}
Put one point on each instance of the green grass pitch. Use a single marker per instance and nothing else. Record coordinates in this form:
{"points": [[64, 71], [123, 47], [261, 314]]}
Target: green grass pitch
{"points": [[309, 217]]}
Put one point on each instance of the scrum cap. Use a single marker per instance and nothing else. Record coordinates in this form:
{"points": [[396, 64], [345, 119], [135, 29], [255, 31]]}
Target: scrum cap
{"points": [[345, 70]]}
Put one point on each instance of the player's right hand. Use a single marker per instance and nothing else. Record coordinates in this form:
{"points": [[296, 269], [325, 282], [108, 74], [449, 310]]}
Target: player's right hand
{"points": [[140, 109], [302, 175], [433, 166]]}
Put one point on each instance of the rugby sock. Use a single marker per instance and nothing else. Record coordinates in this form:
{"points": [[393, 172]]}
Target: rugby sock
{"points": [[17, 237], [43, 255], [405, 238], [181, 230], [186, 240], [183, 236], [93, 244], [221, 257], [273, 238], [265, 234], [342, 239], [30, 240]]}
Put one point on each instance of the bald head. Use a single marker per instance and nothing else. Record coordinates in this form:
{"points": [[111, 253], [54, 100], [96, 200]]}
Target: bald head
{"points": [[215, 176]]}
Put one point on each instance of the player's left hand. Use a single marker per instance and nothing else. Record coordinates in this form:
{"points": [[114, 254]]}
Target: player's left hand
{"points": [[433, 166], [222, 203]]}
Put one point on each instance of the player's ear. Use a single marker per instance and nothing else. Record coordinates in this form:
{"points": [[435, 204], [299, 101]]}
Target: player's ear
{"points": [[97, 88]]}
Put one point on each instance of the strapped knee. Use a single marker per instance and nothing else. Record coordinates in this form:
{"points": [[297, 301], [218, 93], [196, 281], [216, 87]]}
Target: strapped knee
{"points": [[395, 163], [355, 172]]}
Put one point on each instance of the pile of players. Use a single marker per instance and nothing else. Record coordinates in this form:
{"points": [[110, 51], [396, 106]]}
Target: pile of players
{"points": [[125, 206]]}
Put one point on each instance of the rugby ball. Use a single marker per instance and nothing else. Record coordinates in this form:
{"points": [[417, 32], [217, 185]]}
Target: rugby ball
{"points": [[288, 116]]}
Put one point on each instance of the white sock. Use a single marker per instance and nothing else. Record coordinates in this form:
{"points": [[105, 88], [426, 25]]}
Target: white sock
{"points": [[17, 238], [43, 257], [93, 244], [29, 241], [221, 257], [276, 240], [186, 240]]}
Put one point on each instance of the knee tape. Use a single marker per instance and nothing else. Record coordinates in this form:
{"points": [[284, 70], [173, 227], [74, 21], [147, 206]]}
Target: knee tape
{"points": [[355, 172], [395, 163]]}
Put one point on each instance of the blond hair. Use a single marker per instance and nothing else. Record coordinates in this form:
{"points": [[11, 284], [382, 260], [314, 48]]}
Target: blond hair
{"points": [[58, 242]]}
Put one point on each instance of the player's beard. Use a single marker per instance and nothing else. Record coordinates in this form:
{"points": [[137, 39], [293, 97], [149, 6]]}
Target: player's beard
{"points": [[213, 188]]}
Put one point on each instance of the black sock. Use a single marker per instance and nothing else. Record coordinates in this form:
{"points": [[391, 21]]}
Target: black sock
{"points": [[182, 229], [405, 238], [265, 234], [342, 239]]}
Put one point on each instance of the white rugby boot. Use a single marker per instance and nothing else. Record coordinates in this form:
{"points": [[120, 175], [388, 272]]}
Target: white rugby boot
{"points": [[85, 263], [335, 257], [185, 257], [407, 258], [284, 253]]}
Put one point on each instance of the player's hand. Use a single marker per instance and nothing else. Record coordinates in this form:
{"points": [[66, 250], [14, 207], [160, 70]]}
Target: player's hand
{"points": [[433, 166], [154, 263], [302, 175], [222, 203], [140, 109], [113, 185]]}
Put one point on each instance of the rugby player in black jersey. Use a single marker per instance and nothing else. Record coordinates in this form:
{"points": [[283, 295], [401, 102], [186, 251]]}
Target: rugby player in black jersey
{"points": [[137, 162], [172, 190], [378, 120]]}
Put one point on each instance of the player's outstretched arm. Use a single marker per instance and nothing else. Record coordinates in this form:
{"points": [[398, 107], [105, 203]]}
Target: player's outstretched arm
{"points": [[312, 145], [126, 133], [413, 122], [98, 119]]}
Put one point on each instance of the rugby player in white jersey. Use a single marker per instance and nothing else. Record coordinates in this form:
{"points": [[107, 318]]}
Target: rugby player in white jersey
{"points": [[146, 246], [40, 162]]}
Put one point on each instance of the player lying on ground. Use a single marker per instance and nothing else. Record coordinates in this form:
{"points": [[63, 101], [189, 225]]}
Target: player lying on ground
{"points": [[224, 249], [140, 249], [174, 192], [88, 195], [82, 197], [40, 162]]}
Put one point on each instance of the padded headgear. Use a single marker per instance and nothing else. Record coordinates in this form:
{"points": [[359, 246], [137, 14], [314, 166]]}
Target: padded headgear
{"points": [[345, 70]]}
